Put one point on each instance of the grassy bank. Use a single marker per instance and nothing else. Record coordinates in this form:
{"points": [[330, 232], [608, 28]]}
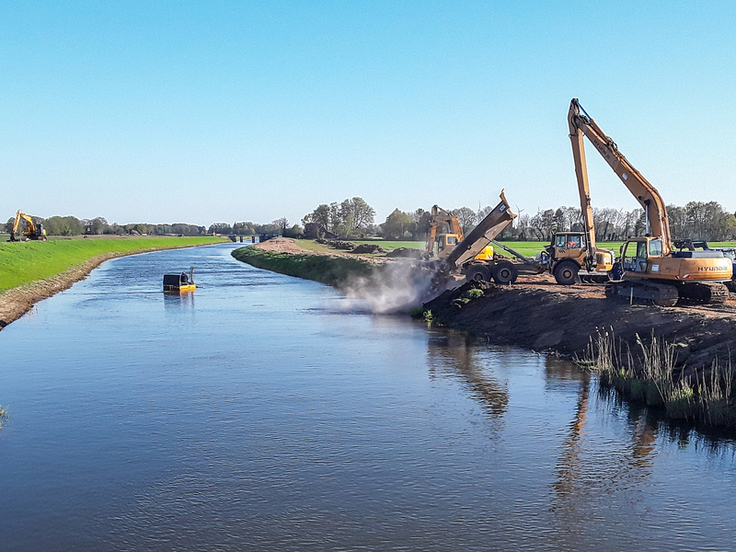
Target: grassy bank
{"points": [[330, 270], [25, 262], [648, 373]]}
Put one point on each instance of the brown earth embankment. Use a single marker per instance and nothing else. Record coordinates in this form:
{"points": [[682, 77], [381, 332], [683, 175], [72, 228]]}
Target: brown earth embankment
{"points": [[538, 315]]}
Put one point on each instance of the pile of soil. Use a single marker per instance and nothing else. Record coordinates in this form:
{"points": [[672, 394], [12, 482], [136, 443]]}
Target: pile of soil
{"points": [[371, 248], [337, 244], [410, 253], [536, 314], [287, 245]]}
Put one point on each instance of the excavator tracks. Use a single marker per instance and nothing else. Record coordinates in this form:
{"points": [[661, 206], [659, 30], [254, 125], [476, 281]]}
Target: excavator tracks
{"points": [[699, 292], [665, 295], [661, 295]]}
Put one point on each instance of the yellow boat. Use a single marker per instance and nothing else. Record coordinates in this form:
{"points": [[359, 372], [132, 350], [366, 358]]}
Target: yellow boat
{"points": [[179, 283]]}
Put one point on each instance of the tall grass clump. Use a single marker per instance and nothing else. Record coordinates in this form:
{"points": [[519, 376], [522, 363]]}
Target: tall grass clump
{"points": [[649, 374]]}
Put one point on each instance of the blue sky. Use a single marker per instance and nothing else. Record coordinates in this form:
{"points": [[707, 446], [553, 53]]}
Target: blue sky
{"points": [[222, 111]]}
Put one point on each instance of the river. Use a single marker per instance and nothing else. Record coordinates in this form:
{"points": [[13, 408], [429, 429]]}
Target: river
{"points": [[257, 414]]}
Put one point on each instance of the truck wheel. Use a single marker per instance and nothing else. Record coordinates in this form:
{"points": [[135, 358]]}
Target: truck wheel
{"points": [[505, 273], [566, 273], [478, 273]]}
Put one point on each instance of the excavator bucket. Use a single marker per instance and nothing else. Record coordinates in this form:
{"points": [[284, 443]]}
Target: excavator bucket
{"points": [[481, 235]]}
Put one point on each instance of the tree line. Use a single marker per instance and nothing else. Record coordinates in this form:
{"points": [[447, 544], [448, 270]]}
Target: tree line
{"points": [[355, 218], [72, 226]]}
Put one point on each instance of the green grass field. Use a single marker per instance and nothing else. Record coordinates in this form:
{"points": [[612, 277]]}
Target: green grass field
{"points": [[527, 248], [25, 262]]}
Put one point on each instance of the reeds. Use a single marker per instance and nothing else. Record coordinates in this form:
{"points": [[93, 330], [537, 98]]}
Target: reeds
{"points": [[649, 374]]}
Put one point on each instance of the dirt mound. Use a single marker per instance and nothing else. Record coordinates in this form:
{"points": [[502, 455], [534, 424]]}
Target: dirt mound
{"points": [[371, 248], [337, 244], [409, 252], [564, 318]]}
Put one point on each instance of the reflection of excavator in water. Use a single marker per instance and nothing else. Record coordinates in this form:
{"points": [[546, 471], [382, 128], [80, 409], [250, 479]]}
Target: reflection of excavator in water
{"points": [[648, 269], [583, 477], [31, 230]]}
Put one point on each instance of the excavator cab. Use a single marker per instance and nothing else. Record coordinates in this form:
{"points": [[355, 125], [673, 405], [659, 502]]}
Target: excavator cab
{"points": [[635, 254], [443, 244]]}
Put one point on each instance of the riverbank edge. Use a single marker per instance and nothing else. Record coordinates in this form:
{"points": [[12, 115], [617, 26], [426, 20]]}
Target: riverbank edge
{"points": [[17, 301], [677, 362], [569, 326], [332, 270]]}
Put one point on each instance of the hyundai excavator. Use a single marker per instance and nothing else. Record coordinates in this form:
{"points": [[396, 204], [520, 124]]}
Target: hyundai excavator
{"points": [[648, 269], [31, 230]]}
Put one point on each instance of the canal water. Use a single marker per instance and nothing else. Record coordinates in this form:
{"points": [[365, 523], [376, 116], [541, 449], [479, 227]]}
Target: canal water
{"points": [[256, 414]]}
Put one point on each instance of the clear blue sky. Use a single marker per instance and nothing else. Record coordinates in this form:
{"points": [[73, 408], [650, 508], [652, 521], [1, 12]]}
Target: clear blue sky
{"points": [[221, 111]]}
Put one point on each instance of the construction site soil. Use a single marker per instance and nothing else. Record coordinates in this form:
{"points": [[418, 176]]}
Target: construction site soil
{"points": [[538, 314]]}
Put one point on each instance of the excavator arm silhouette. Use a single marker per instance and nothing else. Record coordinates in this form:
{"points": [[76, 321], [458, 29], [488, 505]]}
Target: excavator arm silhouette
{"points": [[581, 124]]}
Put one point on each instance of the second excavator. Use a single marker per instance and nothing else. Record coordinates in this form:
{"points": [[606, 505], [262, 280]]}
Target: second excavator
{"points": [[25, 229], [648, 268]]}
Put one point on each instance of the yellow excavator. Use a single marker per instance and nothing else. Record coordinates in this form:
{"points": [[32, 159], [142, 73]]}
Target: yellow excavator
{"points": [[648, 268], [30, 231], [445, 232]]}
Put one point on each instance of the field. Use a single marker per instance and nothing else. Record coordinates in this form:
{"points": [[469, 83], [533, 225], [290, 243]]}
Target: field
{"points": [[527, 248], [25, 262]]}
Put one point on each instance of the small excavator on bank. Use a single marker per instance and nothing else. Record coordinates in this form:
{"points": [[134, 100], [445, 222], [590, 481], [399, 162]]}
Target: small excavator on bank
{"points": [[25, 229], [648, 269]]}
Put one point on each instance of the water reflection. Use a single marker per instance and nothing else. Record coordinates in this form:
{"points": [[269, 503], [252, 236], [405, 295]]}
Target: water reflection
{"points": [[253, 416], [179, 301], [452, 354]]}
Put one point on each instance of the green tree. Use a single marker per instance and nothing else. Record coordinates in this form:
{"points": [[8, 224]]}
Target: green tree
{"points": [[220, 228], [63, 226], [397, 225]]}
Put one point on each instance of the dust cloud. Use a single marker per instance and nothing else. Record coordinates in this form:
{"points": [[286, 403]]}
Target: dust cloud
{"points": [[394, 288]]}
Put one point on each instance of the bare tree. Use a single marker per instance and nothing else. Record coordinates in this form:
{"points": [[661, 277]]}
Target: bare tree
{"points": [[467, 218]]}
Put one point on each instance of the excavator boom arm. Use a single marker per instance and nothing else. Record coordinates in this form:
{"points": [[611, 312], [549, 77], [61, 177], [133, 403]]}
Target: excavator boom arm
{"points": [[647, 195]]}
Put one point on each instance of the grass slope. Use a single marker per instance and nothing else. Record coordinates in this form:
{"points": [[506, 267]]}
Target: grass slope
{"points": [[330, 270], [25, 262]]}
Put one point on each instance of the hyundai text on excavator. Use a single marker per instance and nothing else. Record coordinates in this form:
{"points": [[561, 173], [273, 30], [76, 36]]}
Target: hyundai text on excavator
{"points": [[31, 230], [648, 268]]}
